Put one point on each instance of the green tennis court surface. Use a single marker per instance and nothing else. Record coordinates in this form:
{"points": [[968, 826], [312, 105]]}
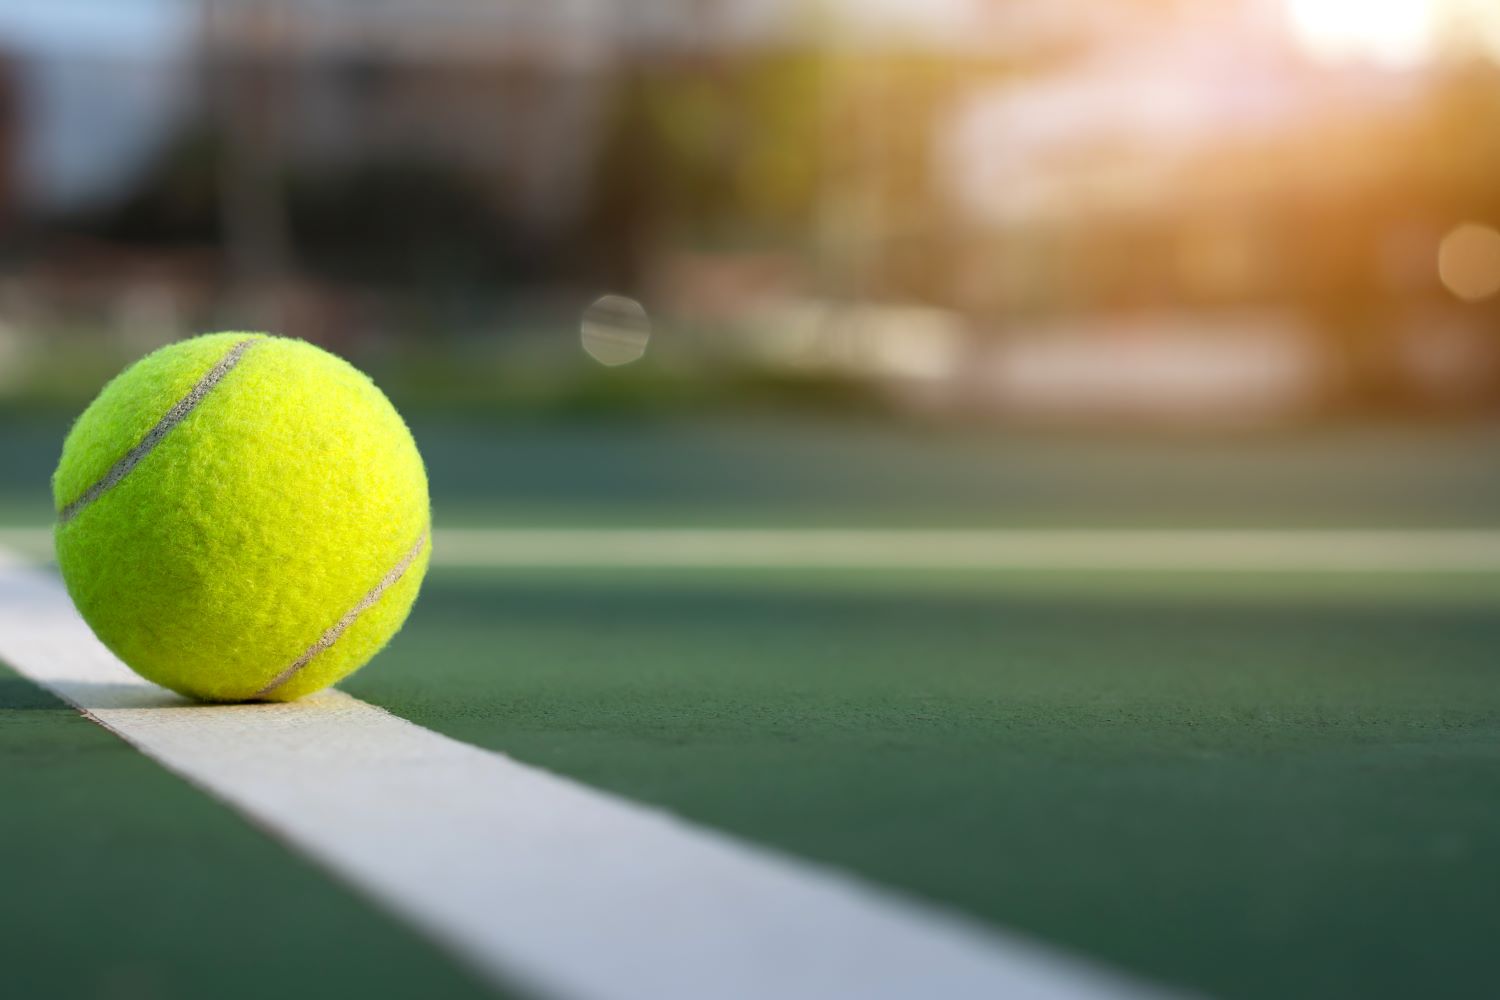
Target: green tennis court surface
{"points": [[1269, 800], [1253, 786]]}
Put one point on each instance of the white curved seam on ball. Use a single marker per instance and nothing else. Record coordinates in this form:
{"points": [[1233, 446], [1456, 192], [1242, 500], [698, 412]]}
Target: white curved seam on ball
{"points": [[176, 415], [338, 628]]}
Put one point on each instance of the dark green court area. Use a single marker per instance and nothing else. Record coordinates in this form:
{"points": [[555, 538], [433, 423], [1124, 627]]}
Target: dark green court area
{"points": [[1245, 785], [1254, 799]]}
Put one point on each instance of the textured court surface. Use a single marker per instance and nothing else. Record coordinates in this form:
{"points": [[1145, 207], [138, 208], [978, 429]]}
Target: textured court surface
{"points": [[1263, 787]]}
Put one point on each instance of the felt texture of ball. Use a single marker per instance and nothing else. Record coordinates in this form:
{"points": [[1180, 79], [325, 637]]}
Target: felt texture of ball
{"points": [[242, 517]]}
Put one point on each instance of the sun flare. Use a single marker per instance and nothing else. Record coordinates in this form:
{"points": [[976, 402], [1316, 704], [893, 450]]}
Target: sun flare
{"points": [[1396, 32]]}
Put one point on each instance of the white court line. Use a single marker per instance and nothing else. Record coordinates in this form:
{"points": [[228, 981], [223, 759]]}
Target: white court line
{"points": [[1190, 550], [29, 545], [530, 878], [1019, 549]]}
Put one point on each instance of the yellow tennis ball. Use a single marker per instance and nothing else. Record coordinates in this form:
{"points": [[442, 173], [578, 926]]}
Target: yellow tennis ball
{"points": [[242, 517]]}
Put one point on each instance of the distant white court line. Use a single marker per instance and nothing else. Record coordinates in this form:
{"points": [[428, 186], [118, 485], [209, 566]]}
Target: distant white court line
{"points": [[1208, 550], [532, 879]]}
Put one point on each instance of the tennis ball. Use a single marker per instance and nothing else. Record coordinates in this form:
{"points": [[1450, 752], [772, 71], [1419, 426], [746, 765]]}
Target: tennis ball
{"points": [[242, 517]]}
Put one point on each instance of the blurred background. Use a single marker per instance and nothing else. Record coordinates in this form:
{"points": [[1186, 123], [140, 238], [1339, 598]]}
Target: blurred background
{"points": [[973, 214]]}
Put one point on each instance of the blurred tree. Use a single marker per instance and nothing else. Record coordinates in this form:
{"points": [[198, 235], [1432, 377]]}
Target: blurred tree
{"points": [[717, 151]]}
